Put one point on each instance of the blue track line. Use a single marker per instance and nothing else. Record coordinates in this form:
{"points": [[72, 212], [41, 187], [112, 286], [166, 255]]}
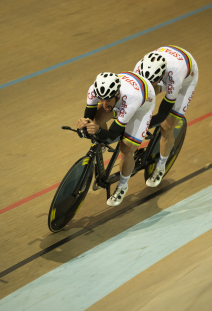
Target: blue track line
{"points": [[105, 47]]}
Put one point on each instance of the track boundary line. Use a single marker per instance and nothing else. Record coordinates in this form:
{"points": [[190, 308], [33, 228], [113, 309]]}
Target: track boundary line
{"points": [[38, 194], [69, 61], [102, 221]]}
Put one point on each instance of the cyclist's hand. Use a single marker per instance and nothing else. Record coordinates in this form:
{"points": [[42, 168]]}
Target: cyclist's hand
{"points": [[83, 133], [82, 123], [92, 127]]}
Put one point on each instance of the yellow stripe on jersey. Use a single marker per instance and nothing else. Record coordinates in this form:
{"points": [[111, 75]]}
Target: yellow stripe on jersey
{"points": [[120, 124], [130, 141], [175, 116], [171, 101], [188, 58], [91, 106]]}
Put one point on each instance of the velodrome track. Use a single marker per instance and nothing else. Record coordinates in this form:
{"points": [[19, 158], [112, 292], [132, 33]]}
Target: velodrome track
{"points": [[153, 252]]}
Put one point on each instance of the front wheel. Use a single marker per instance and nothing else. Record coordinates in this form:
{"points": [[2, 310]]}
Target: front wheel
{"points": [[70, 194]]}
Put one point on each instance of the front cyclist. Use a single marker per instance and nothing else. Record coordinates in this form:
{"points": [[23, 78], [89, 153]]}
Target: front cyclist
{"points": [[130, 99], [178, 81]]}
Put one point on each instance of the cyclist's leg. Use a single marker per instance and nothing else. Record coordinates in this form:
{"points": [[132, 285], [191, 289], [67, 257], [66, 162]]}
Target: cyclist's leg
{"points": [[167, 127], [167, 135], [135, 132], [127, 157], [181, 105]]}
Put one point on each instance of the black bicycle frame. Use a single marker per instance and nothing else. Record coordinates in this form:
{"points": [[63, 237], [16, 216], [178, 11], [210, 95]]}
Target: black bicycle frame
{"points": [[103, 177]]}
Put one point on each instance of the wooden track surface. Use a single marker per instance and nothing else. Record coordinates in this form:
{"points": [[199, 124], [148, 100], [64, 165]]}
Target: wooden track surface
{"points": [[36, 153]]}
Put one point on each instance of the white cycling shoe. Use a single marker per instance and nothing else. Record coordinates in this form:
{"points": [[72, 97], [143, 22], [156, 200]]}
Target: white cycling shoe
{"points": [[156, 177], [117, 196]]}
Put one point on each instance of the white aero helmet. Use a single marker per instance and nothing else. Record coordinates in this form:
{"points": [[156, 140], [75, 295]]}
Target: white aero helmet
{"points": [[107, 85], [153, 66]]}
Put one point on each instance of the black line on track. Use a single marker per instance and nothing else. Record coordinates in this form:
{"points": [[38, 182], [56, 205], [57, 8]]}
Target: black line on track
{"points": [[3, 281], [102, 221]]}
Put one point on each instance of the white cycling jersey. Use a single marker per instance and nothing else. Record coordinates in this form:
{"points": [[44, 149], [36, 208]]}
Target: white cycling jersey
{"points": [[134, 108], [180, 78]]}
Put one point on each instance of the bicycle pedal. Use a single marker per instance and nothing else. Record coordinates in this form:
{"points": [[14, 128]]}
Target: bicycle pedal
{"points": [[95, 185]]}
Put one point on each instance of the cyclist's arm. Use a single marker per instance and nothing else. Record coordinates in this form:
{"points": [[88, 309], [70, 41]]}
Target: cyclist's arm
{"points": [[114, 131], [127, 110], [168, 101], [118, 126], [90, 112], [92, 103], [159, 89], [162, 114]]}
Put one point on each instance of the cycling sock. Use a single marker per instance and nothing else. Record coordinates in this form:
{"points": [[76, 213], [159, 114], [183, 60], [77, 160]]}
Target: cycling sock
{"points": [[162, 163], [123, 181]]}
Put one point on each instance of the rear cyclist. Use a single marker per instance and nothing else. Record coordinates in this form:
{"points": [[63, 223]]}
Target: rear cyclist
{"points": [[178, 80], [130, 99]]}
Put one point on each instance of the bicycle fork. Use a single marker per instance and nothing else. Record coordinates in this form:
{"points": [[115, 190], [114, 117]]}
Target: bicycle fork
{"points": [[103, 179]]}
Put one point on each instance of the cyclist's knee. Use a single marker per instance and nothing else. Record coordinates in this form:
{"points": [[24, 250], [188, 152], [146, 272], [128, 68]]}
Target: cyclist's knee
{"points": [[168, 126], [167, 135], [127, 149], [166, 131], [169, 123]]}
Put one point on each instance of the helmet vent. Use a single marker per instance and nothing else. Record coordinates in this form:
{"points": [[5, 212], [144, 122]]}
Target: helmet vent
{"points": [[97, 93], [157, 71], [113, 94], [112, 85], [147, 74], [107, 93], [153, 59], [102, 89], [105, 75]]}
